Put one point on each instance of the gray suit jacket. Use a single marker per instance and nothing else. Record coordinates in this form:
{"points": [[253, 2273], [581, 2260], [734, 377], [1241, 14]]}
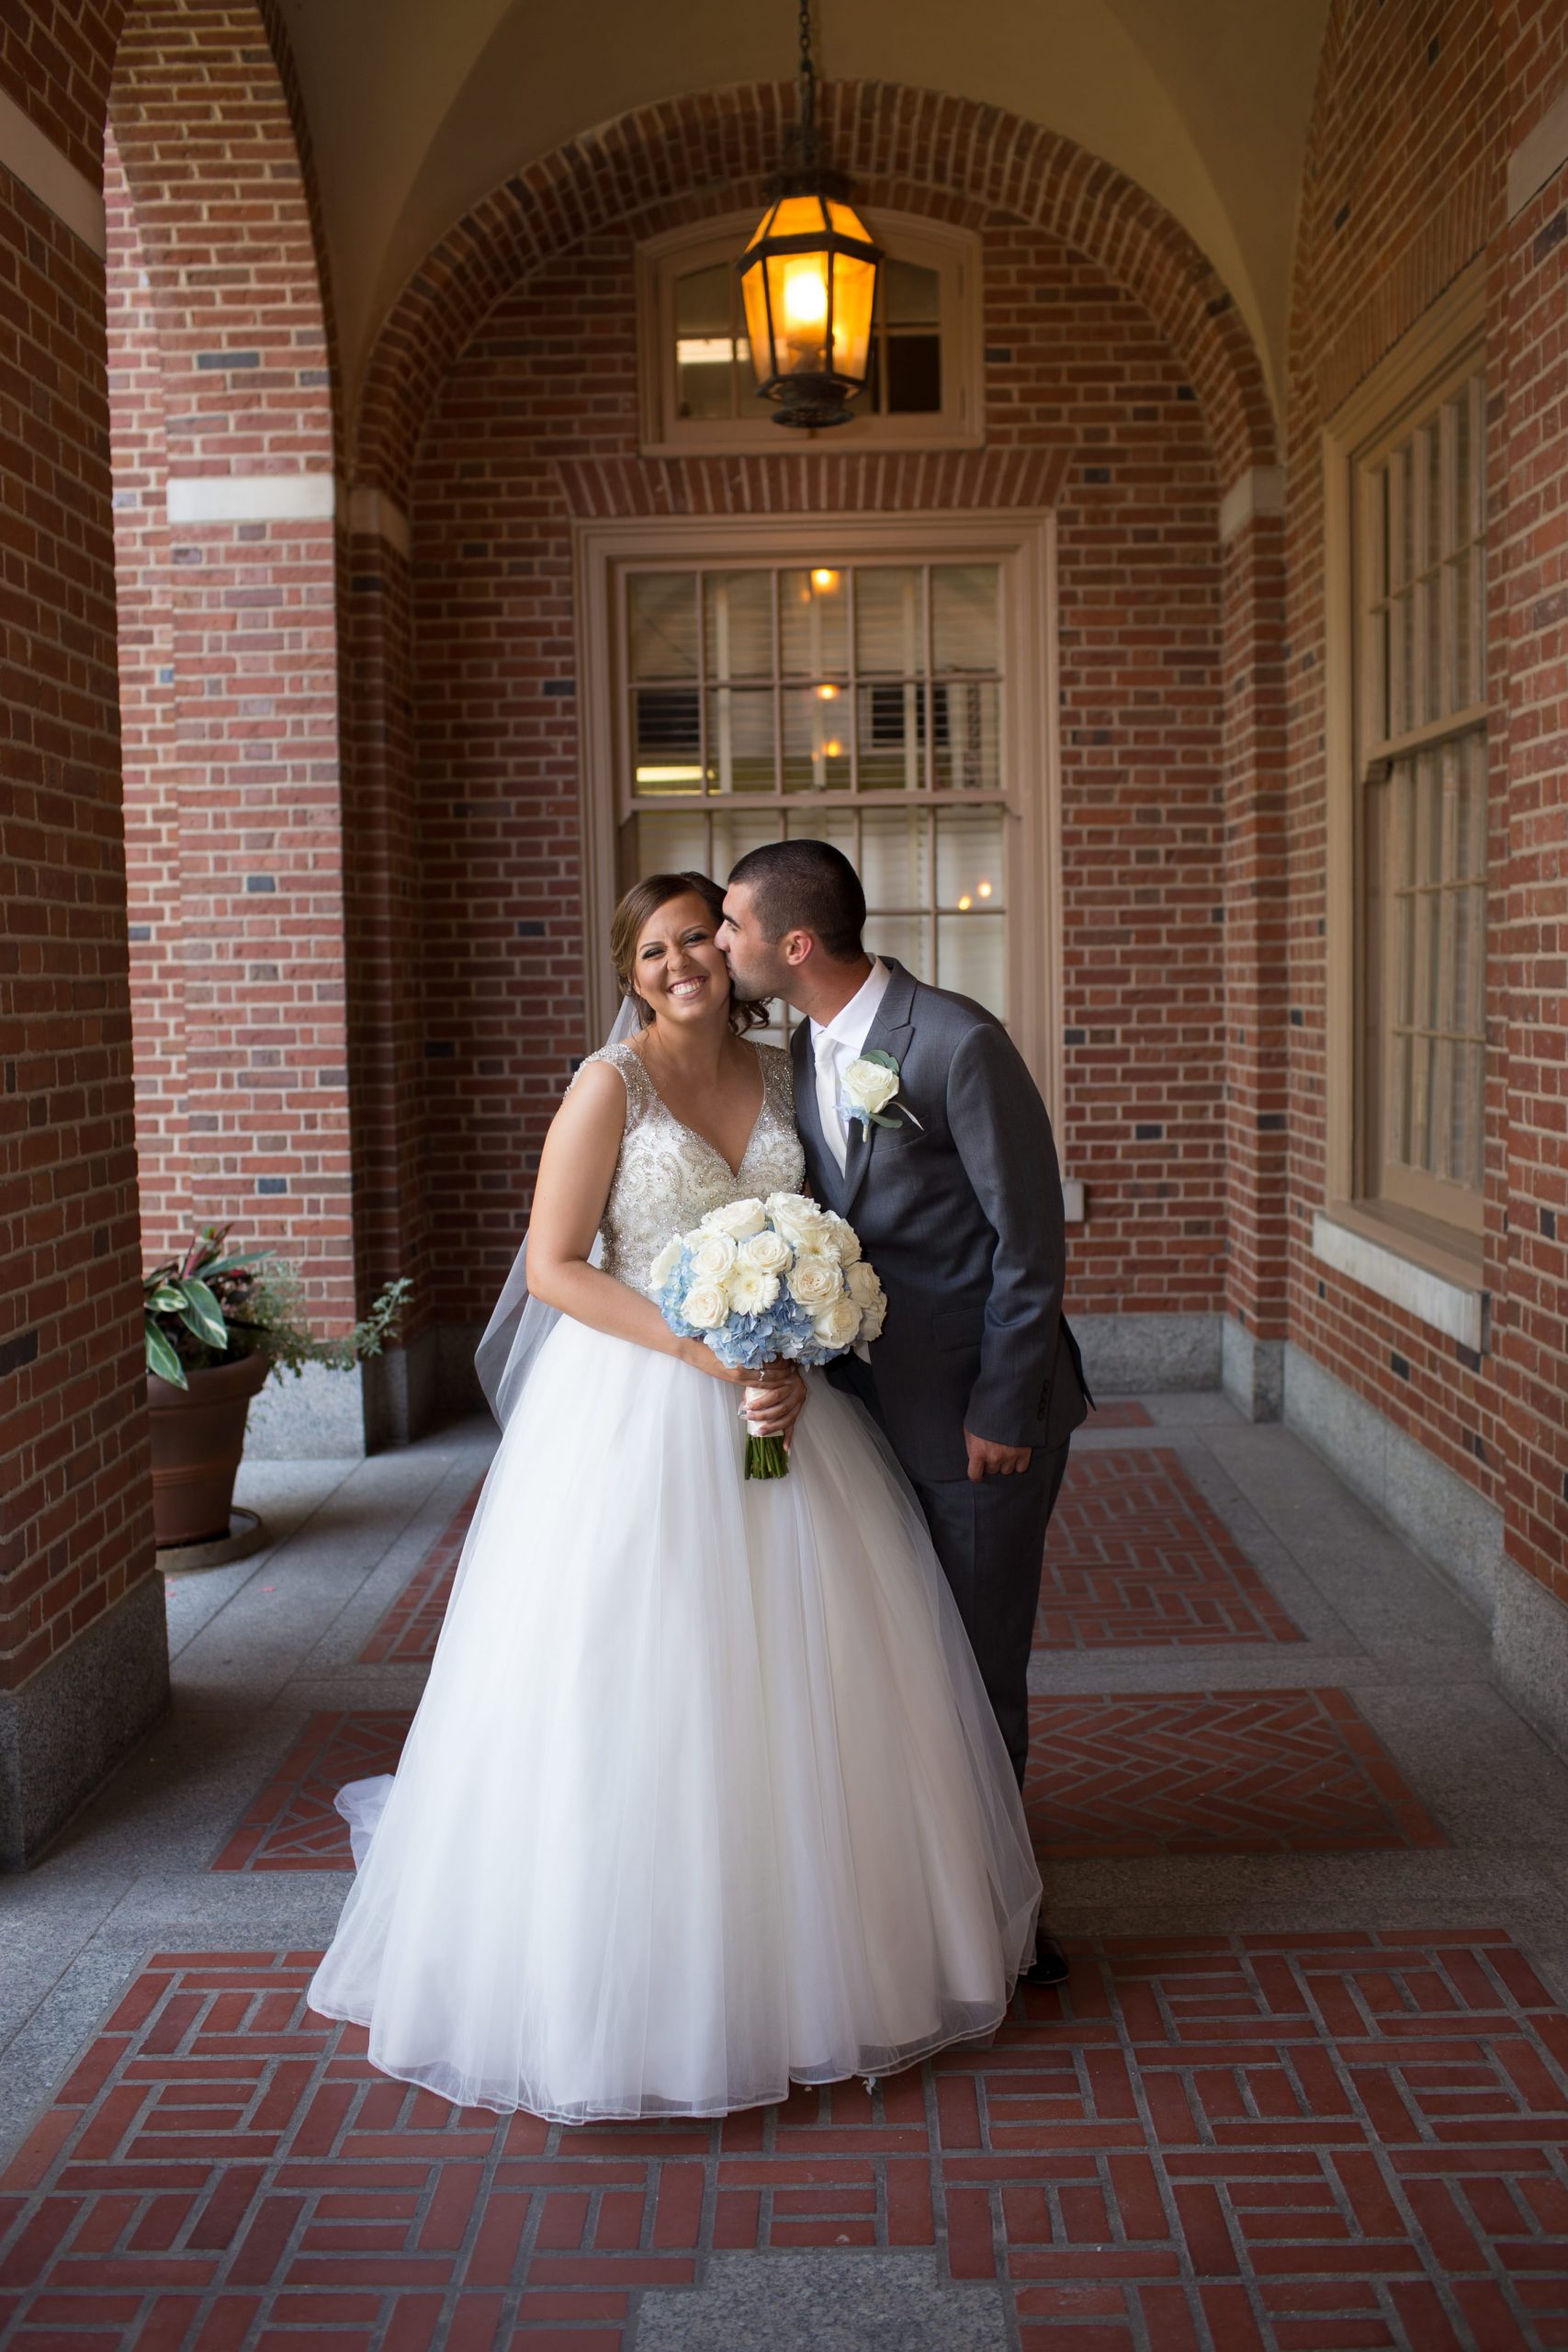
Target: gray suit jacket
{"points": [[961, 1215]]}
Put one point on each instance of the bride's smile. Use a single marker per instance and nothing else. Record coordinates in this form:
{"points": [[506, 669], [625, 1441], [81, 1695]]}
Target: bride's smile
{"points": [[679, 967]]}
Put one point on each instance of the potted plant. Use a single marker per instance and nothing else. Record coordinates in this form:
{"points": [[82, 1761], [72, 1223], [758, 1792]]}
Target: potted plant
{"points": [[218, 1320]]}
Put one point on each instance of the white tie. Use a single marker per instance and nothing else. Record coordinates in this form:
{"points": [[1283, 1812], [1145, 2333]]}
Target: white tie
{"points": [[833, 1134]]}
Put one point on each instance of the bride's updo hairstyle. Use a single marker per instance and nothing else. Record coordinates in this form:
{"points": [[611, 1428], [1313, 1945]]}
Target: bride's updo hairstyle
{"points": [[644, 899]]}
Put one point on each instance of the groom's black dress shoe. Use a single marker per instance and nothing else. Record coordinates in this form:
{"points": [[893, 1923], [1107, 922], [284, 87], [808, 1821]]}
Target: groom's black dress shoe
{"points": [[1050, 1960]]}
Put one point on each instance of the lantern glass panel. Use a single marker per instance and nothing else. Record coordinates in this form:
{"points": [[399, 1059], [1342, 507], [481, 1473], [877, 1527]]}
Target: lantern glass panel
{"points": [[854, 289], [798, 290], [758, 331]]}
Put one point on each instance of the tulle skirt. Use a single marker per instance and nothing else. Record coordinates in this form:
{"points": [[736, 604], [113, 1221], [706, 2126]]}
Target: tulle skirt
{"points": [[704, 1795]]}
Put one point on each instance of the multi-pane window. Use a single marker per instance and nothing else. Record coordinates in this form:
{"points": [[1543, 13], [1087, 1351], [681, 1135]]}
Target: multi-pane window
{"points": [[1421, 729], [860, 703], [698, 389]]}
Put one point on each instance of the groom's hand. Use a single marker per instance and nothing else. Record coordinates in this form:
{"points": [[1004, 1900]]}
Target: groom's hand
{"points": [[988, 1460]]}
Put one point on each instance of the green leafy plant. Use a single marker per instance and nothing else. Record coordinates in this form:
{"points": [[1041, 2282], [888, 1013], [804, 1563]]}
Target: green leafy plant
{"points": [[215, 1305]]}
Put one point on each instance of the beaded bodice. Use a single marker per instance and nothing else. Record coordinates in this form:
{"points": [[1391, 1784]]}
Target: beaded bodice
{"points": [[668, 1176]]}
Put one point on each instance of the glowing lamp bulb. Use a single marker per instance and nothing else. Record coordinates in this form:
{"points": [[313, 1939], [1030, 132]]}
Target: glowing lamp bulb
{"points": [[826, 694], [835, 750], [824, 579], [806, 295], [965, 903], [983, 889]]}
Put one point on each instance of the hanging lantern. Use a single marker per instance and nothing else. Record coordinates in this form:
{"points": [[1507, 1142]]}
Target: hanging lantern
{"points": [[809, 280]]}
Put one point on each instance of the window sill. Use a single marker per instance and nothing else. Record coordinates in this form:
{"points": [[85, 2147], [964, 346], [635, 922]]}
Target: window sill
{"points": [[1438, 1285]]}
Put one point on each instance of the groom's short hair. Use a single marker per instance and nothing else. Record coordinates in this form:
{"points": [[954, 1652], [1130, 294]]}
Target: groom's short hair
{"points": [[806, 885]]}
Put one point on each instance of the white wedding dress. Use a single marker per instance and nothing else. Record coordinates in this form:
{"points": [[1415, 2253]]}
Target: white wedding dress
{"points": [[704, 1796]]}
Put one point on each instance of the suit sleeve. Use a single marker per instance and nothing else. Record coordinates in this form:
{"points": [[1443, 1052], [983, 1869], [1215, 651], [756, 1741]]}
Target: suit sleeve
{"points": [[1003, 1134]]}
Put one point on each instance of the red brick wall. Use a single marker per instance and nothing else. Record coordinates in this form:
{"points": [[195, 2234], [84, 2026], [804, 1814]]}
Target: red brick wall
{"points": [[1416, 114], [74, 1523], [221, 368], [539, 412], [1531, 297]]}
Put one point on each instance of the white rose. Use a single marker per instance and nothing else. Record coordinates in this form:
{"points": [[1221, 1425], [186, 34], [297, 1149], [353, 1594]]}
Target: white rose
{"points": [[873, 1318], [713, 1257], [751, 1291], [843, 1240], [665, 1263], [740, 1219], [704, 1306], [800, 1221], [769, 1252], [863, 1286], [869, 1086], [815, 1282], [838, 1326]]}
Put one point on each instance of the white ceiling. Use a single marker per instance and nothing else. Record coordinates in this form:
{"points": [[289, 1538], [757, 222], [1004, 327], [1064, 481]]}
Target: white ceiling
{"points": [[419, 107]]}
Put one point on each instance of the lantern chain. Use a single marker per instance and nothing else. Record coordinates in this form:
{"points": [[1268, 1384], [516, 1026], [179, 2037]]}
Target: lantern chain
{"points": [[808, 87]]}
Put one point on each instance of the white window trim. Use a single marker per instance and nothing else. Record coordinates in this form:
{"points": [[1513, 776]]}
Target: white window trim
{"points": [[1025, 543], [953, 252], [1419, 362]]}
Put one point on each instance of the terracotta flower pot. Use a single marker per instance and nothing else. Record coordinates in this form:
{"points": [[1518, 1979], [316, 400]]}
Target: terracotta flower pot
{"points": [[198, 1435]]}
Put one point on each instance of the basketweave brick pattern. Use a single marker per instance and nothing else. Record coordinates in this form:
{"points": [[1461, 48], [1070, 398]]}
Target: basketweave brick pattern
{"points": [[1256, 2144], [1214, 1772], [1135, 1555], [411, 1625]]}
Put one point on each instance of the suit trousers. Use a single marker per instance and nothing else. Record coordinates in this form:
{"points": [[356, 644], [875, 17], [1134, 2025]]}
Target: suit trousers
{"points": [[989, 1536]]}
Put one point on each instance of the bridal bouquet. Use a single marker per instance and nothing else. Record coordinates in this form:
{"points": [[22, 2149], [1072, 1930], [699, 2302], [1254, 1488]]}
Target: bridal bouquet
{"points": [[760, 1279]]}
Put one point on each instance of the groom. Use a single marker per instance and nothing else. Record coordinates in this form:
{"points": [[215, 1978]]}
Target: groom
{"points": [[954, 1192]]}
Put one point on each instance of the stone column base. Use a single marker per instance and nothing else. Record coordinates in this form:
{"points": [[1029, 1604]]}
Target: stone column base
{"points": [[1252, 1371], [68, 1727]]}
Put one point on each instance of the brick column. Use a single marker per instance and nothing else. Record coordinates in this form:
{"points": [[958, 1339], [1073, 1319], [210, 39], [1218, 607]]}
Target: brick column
{"points": [[83, 1654], [1256, 1030], [228, 544]]}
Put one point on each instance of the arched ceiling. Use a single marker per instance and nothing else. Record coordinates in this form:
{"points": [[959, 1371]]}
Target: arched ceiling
{"points": [[418, 108]]}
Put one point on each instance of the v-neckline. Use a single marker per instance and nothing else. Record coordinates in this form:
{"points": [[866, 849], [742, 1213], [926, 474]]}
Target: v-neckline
{"points": [[687, 1129]]}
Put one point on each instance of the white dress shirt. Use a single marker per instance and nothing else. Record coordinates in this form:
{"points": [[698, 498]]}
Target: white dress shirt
{"points": [[835, 1045]]}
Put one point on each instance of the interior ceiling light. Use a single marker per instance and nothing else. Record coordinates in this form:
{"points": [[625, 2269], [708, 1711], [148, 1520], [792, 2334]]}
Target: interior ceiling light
{"points": [[808, 278]]}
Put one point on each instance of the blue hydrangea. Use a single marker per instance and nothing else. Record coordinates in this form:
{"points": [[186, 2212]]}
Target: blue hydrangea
{"points": [[746, 1342]]}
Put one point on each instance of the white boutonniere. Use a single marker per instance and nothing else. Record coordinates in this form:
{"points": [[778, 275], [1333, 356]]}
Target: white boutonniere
{"points": [[869, 1085]]}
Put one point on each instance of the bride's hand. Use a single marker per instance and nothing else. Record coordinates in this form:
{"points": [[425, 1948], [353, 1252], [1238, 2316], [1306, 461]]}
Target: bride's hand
{"points": [[773, 1404]]}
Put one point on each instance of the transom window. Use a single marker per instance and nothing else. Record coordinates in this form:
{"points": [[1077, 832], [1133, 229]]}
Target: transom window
{"points": [[698, 390], [1421, 727]]}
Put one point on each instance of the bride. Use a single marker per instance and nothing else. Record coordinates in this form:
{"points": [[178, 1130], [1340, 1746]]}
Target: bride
{"points": [[704, 1795]]}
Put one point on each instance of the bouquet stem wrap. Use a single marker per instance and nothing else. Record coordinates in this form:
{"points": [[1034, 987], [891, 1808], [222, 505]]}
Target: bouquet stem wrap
{"points": [[766, 1457], [760, 1280]]}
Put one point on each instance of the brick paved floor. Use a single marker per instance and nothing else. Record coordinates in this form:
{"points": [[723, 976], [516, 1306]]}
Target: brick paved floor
{"points": [[1206, 1771], [1305, 2092], [1135, 1555], [1266, 2141], [1232, 1772]]}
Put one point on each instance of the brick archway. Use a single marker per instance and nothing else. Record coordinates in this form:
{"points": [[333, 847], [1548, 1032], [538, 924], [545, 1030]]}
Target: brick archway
{"points": [[950, 149], [709, 153]]}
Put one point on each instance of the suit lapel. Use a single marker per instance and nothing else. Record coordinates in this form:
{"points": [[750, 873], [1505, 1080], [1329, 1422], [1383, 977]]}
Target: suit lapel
{"points": [[889, 1034]]}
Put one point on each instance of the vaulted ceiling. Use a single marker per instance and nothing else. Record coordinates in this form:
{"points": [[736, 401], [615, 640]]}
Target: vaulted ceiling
{"points": [[418, 108]]}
